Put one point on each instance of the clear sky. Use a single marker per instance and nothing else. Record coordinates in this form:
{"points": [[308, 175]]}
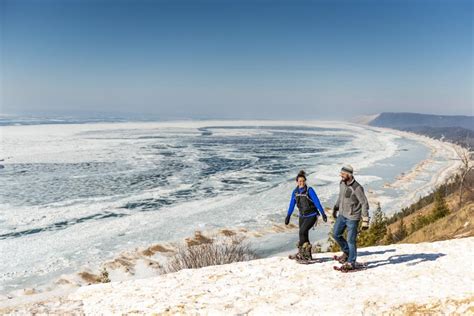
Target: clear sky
{"points": [[237, 59]]}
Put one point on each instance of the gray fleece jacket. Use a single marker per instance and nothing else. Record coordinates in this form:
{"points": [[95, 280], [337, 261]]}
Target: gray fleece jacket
{"points": [[352, 202]]}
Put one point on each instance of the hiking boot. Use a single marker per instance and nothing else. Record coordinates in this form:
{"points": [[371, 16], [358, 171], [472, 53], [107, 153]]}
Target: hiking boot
{"points": [[306, 251], [342, 258]]}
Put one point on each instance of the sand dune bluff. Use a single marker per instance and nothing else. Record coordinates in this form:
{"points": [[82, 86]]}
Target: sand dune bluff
{"points": [[400, 279]]}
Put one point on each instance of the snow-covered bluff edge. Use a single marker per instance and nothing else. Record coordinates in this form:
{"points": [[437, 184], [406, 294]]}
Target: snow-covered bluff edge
{"points": [[435, 277]]}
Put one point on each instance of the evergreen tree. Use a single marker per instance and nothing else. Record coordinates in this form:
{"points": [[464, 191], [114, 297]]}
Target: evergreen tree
{"points": [[333, 246], [413, 227], [377, 230], [379, 225], [402, 231], [363, 237], [389, 239], [440, 209]]}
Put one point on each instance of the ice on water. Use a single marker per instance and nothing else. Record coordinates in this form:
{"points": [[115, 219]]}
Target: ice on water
{"points": [[74, 195]]}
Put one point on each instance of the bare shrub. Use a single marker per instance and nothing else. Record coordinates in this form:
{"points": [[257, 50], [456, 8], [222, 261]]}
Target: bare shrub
{"points": [[219, 251], [465, 156]]}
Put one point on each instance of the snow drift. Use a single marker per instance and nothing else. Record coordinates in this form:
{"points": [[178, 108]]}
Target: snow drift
{"points": [[400, 279]]}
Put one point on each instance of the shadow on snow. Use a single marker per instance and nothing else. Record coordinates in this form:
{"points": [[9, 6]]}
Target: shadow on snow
{"points": [[369, 253], [410, 259]]}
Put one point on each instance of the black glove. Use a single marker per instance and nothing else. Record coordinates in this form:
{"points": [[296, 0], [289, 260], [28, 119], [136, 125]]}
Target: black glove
{"points": [[334, 212], [287, 220], [325, 218]]}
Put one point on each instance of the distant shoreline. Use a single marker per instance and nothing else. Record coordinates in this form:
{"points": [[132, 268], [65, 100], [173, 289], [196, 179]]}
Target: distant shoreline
{"points": [[440, 177]]}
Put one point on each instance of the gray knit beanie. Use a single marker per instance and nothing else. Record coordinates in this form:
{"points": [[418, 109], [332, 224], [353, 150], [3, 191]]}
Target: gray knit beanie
{"points": [[347, 169]]}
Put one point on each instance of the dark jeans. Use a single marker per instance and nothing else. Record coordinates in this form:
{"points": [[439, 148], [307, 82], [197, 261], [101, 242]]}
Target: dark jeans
{"points": [[348, 246], [305, 225]]}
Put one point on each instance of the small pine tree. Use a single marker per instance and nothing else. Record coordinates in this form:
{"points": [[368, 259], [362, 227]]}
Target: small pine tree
{"points": [[440, 209], [402, 231], [377, 230], [332, 244], [422, 221], [379, 225], [389, 238], [413, 227], [363, 238]]}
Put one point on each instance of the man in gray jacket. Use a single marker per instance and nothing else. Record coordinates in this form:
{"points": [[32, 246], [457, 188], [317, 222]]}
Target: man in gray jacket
{"points": [[350, 208]]}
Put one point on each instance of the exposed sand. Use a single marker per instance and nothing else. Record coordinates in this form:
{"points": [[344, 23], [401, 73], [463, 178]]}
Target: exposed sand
{"points": [[444, 150]]}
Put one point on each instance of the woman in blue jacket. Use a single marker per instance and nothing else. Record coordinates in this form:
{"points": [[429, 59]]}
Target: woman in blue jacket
{"points": [[310, 208]]}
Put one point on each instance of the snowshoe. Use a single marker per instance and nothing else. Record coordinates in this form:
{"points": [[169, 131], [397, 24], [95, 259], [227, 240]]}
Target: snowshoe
{"points": [[293, 257], [307, 261], [349, 267]]}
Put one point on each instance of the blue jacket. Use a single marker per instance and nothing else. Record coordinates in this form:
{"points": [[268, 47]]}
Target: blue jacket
{"points": [[312, 195]]}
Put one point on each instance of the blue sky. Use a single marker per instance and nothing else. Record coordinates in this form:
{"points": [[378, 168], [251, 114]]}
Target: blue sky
{"points": [[237, 59]]}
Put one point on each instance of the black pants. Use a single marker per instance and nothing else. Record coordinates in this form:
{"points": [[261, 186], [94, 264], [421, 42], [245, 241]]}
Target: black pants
{"points": [[305, 225]]}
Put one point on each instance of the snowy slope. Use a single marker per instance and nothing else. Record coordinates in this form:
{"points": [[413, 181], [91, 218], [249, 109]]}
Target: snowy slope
{"points": [[429, 277]]}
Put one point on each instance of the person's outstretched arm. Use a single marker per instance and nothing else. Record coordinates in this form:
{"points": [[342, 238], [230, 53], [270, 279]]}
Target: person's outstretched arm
{"points": [[290, 208], [292, 204], [314, 197]]}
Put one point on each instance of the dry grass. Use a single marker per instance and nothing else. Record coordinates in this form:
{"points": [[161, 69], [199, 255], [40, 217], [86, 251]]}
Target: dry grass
{"points": [[213, 251], [455, 307], [451, 202], [227, 232], [90, 278], [456, 225], [150, 251], [198, 239]]}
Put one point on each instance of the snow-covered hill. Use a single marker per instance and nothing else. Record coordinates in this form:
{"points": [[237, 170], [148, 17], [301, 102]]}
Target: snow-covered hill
{"points": [[429, 277]]}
